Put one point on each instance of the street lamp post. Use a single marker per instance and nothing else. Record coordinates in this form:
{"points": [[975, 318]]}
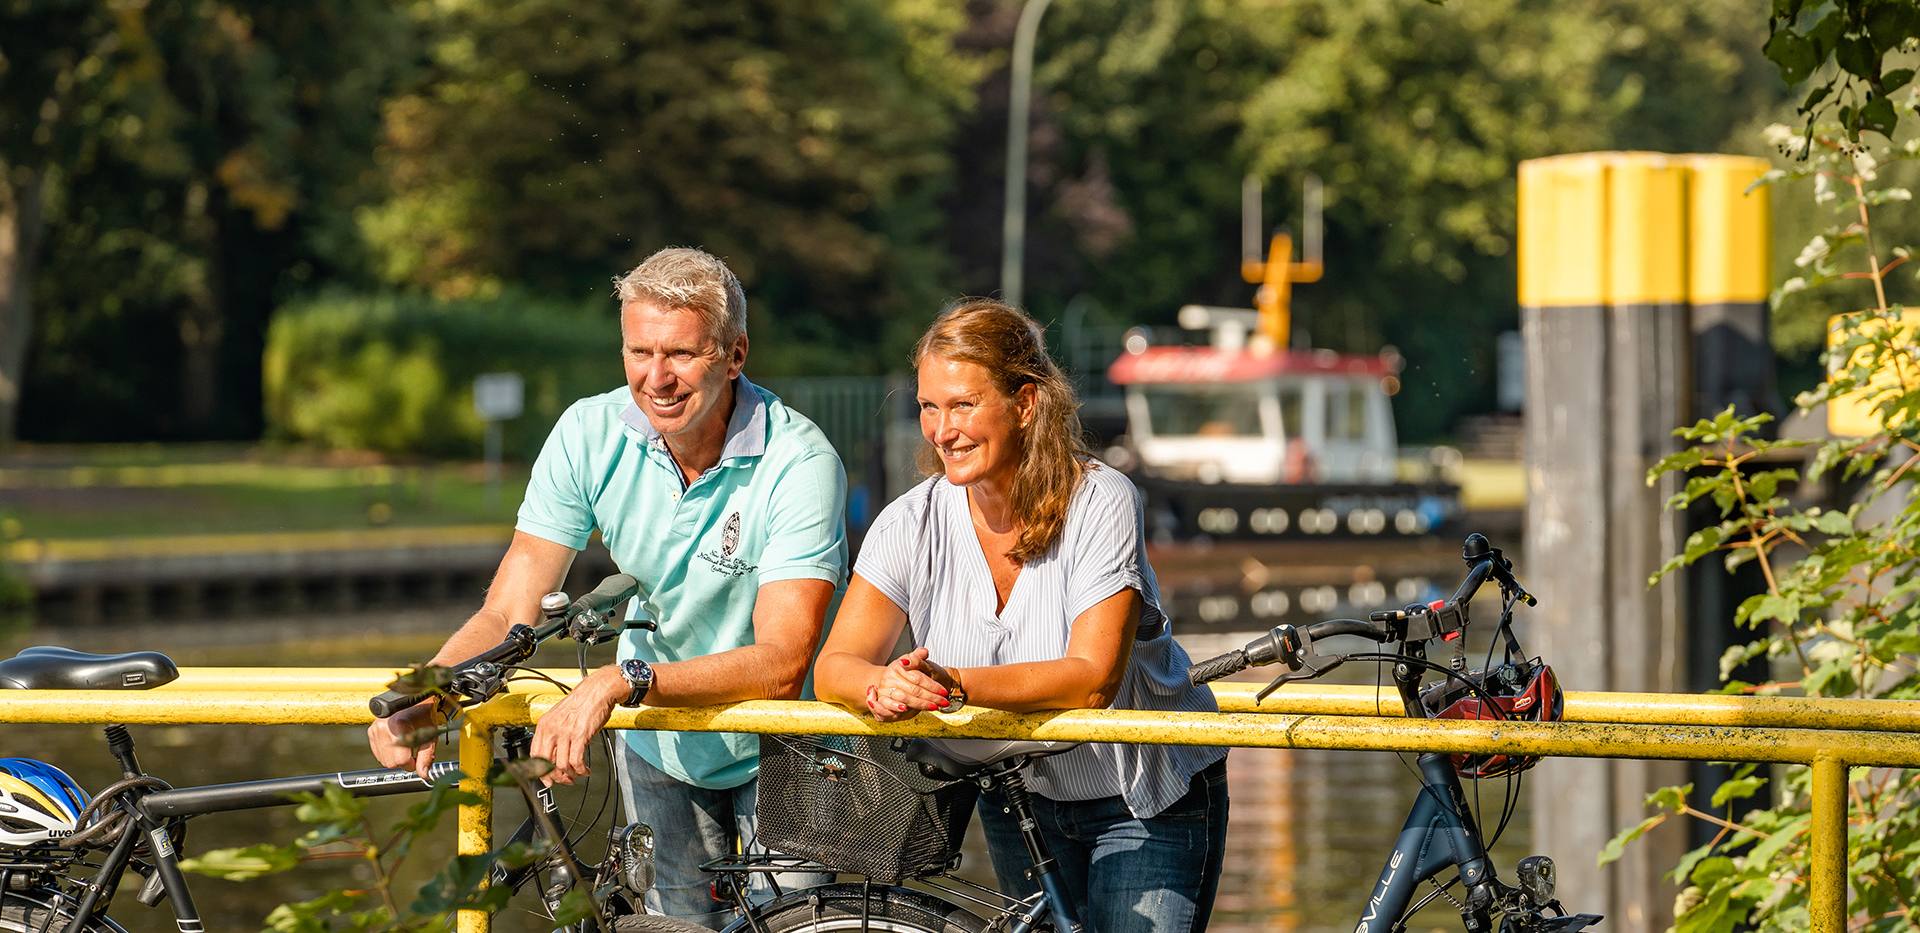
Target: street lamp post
{"points": [[1013, 241]]}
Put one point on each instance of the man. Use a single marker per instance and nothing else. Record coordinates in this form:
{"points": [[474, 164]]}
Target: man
{"points": [[729, 508]]}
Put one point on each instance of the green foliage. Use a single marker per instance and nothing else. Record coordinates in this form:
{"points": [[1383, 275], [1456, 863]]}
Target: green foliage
{"points": [[1841, 615], [805, 145], [1418, 116], [1855, 50], [190, 161], [395, 373], [845, 157], [340, 829]]}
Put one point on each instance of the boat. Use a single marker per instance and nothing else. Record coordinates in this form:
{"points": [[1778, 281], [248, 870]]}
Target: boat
{"points": [[1245, 436]]}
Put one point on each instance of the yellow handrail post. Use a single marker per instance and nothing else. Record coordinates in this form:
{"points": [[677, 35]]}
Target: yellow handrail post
{"points": [[476, 820], [1827, 898]]}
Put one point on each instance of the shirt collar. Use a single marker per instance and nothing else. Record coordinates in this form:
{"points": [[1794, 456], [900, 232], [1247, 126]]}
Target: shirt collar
{"points": [[746, 428]]}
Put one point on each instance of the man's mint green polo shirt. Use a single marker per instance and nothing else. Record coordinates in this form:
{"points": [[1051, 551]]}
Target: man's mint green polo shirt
{"points": [[772, 509]]}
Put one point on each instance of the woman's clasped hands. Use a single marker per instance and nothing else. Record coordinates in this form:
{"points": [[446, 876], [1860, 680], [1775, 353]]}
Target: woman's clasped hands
{"points": [[910, 685]]}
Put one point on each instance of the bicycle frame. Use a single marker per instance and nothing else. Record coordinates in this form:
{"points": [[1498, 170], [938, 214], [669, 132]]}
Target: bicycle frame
{"points": [[1440, 831], [154, 812]]}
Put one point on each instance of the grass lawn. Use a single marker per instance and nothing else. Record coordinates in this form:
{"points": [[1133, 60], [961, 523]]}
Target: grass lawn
{"points": [[112, 491]]}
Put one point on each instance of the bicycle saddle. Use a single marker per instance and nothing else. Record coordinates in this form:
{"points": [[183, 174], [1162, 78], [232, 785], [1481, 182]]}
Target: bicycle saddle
{"points": [[47, 667], [953, 759]]}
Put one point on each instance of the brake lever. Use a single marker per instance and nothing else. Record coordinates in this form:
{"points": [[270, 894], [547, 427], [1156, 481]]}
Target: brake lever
{"points": [[1311, 666], [591, 628], [1519, 592], [596, 628], [1503, 574]]}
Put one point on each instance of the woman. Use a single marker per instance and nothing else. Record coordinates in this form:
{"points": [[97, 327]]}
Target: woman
{"points": [[1021, 569]]}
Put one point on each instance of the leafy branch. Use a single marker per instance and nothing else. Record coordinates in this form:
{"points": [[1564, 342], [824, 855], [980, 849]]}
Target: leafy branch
{"points": [[1839, 615], [1846, 44], [341, 828]]}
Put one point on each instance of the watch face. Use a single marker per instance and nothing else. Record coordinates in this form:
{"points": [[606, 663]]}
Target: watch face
{"points": [[639, 677]]}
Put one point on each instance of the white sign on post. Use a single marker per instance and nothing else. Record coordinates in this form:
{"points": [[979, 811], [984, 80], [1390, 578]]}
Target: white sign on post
{"points": [[498, 396]]}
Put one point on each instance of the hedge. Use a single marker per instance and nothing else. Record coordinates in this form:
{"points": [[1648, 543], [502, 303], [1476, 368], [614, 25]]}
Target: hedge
{"points": [[394, 373]]}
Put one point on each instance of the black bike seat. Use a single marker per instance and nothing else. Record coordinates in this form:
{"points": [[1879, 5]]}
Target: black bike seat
{"points": [[953, 759], [47, 667]]}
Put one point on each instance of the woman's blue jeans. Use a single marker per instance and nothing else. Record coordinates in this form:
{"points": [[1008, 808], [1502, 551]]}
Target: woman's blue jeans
{"points": [[1125, 874]]}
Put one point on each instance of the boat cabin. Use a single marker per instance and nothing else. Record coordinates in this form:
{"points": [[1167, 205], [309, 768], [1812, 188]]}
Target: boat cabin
{"points": [[1256, 415]]}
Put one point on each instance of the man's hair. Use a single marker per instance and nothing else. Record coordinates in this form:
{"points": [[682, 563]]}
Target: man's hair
{"points": [[684, 279]]}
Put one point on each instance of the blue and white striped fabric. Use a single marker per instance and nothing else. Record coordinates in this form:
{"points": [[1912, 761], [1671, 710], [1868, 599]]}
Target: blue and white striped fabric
{"points": [[923, 555]]}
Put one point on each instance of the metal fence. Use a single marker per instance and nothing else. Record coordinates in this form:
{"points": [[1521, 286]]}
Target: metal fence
{"points": [[855, 413], [1829, 735]]}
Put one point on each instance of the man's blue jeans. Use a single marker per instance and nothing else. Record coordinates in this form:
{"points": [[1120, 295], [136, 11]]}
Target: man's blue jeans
{"points": [[1124, 874], [692, 825]]}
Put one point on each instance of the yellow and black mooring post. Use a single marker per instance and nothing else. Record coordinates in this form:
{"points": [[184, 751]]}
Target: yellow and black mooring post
{"points": [[1615, 249]]}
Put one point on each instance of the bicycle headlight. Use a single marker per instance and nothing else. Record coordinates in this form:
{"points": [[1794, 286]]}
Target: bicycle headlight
{"points": [[632, 846], [1536, 878]]}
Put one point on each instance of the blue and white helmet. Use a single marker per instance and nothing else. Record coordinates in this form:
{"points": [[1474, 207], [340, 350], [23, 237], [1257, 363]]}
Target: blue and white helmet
{"points": [[38, 802]]}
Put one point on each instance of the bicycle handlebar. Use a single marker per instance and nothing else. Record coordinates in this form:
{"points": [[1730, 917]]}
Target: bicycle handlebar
{"points": [[1281, 643], [480, 677], [1440, 619], [393, 701]]}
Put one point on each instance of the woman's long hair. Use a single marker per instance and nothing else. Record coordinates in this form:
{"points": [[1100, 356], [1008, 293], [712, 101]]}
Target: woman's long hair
{"points": [[1013, 350]]}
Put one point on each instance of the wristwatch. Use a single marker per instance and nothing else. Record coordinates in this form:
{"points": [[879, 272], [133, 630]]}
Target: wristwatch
{"points": [[639, 677]]}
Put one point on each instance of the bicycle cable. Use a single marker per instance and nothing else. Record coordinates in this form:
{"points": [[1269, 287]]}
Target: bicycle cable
{"points": [[1485, 698], [1439, 891], [528, 673], [1516, 778]]}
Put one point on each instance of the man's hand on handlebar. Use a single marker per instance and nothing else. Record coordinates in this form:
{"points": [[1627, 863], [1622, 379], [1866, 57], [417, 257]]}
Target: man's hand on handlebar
{"points": [[406, 739]]}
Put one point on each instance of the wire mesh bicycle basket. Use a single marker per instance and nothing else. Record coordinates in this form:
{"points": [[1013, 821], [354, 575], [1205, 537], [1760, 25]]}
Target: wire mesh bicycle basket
{"points": [[856, 804]]}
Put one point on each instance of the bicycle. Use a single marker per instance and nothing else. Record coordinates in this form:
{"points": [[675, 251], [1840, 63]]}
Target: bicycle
{"points": [[1441, 832], [138, 824]]}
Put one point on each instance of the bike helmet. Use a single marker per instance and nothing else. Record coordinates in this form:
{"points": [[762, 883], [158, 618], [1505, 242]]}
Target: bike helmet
{"points": [[38, 802], [1521, 691]]}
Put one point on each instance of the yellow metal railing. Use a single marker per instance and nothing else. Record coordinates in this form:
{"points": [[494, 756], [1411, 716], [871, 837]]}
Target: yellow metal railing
{"points": [[1829, 735]]}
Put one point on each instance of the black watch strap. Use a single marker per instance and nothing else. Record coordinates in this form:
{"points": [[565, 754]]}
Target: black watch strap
{"points": [[639, 677]]}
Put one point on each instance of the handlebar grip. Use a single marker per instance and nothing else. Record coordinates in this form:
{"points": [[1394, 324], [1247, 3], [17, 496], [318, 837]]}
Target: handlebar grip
{"points": [[1212, 669], [393, 701], [611, 592]]}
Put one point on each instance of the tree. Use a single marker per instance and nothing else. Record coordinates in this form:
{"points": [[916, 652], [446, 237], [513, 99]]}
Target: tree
{"points": [[1147, 114], [183, 158], [56, 57], [1418, 116], [803, 143]]}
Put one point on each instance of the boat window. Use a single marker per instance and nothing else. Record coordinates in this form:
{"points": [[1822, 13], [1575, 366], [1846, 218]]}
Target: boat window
{"points": [[1293, 408], [1346, 413], [1225, 411]]}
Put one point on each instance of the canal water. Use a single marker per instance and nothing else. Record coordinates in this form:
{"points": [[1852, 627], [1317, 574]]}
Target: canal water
{"points": [[1308, 832]]}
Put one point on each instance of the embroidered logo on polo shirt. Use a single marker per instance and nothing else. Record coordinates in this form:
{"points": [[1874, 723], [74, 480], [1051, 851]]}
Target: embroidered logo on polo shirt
{"points": [[723, 560]]}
